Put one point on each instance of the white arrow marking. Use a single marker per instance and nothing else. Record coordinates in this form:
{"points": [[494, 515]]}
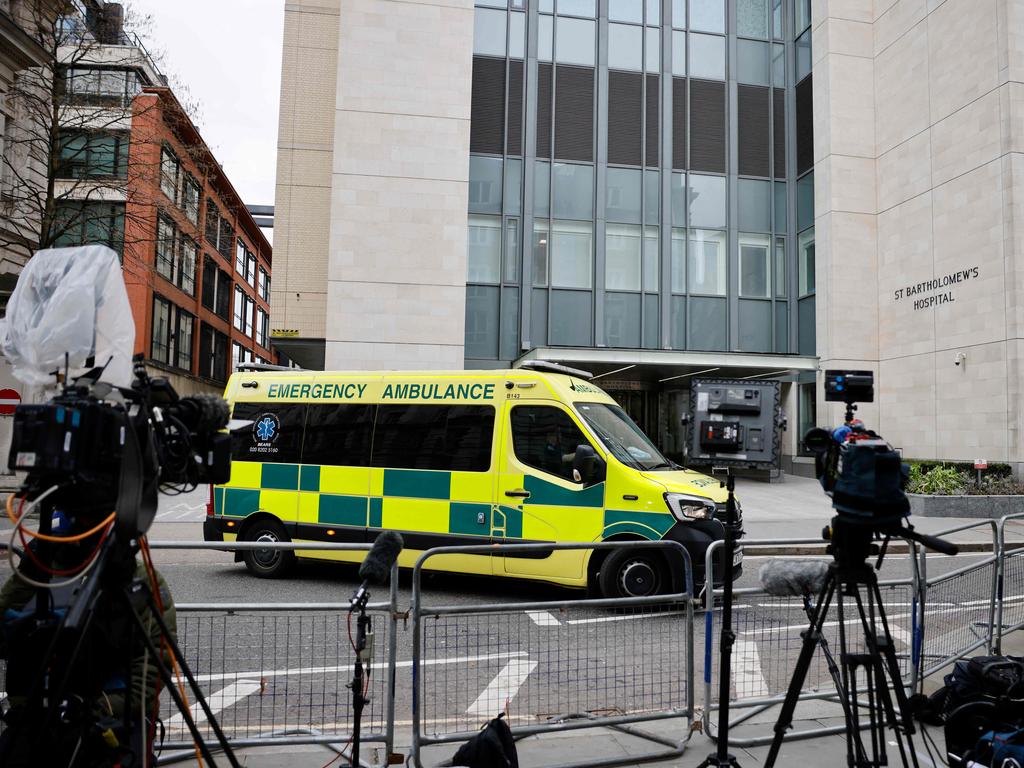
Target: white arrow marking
{"points": [[544, 619], [222, 699], [746, 671], [502, 688]]}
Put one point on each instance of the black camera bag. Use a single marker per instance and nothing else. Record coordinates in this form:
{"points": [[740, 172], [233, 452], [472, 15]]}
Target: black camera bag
{"points": [[493, 747]]}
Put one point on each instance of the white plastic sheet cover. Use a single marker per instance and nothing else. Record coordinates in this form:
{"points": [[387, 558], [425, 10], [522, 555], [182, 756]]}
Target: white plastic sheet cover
{"points": [[69, 301]]}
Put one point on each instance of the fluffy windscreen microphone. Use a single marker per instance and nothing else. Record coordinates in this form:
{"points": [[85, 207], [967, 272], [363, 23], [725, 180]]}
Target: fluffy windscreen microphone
{"points": [[377, 566], [793, 577]]}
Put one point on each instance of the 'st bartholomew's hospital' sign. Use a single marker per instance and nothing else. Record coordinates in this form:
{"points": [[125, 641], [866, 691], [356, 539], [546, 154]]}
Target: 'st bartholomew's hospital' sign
{"points": [[936, 284]]}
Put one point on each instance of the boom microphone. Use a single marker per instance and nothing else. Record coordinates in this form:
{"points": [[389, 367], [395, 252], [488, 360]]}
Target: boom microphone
{"points": [[377, 566], [793, 578], [201, 413]]}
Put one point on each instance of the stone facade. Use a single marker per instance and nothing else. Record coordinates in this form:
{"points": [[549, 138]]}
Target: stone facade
{"points": [[372, 194], [920, 237]]}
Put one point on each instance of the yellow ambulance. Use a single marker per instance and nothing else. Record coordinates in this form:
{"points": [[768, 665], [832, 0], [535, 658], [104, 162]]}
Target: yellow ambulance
{"points": [[537, 454]]}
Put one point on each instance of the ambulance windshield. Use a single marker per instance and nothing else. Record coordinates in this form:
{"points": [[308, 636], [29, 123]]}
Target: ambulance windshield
{"points": [[622, 437]]}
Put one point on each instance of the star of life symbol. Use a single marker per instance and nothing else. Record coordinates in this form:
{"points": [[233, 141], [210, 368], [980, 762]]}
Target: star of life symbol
{"points": [[265, 429]]}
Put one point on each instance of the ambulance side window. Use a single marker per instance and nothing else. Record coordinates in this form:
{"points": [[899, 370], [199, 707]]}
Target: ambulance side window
{"points": [[275, 434], [454, 438], [338, 434], [545, 438]]}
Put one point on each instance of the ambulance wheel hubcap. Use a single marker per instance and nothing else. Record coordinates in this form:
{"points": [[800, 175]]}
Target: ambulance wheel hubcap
{"points": [[266, 557], [638, 579]]}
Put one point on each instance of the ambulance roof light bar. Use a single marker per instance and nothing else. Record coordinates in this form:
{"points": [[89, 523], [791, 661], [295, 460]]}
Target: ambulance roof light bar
{"points": [[264, 367], [547, 365]]}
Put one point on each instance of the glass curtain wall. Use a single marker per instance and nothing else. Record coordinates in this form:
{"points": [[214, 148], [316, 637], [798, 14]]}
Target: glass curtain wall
{"points": [[640, 188]]}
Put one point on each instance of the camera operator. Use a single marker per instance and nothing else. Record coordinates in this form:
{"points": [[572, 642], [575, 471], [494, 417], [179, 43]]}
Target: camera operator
{"points": [[17, 607]]}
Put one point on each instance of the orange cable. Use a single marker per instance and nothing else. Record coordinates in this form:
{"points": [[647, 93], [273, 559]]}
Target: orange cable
{"points": [[59, 539]]}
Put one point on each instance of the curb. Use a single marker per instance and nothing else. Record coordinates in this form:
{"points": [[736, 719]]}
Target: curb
{"points": [[898, 548]]}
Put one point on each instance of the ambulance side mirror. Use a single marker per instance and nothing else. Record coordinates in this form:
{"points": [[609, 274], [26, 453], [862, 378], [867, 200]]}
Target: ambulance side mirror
{"points": [[587, 467]]}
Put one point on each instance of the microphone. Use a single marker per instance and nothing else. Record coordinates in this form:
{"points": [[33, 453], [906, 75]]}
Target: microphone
{"points": [[793, 578], [376, 568], [201, 413]]}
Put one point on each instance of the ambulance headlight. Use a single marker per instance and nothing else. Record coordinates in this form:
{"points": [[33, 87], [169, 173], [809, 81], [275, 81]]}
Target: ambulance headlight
{"points": [[685, 507]]}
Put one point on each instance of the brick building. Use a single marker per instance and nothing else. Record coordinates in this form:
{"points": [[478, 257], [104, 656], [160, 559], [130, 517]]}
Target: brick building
{"points": [[196, 265]]}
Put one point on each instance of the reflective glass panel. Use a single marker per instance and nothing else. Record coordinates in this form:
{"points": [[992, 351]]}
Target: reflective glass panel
{"points": [[572, 254], [577, 7], [706, 262], [483, 249], [651, 259], [511, 262], [574, 191], [755, 205], [805, 201], [485, 184], [653, 12], [622, 257], [678, 53], [706, 201], [541, 187], [777, 19], [707, 57], [754, 266], [707, 15], [489, 32], [752, 62], [625, 10], [780, 206], [780, 267], [652, 51], [805, 252], [803, 55], [517, 35], [623, 195], [574, 41], [752, 18], [778, 65], [678, 261], [513, 185], [625, 44], [540, 252], [545, 38], [652, 196]]}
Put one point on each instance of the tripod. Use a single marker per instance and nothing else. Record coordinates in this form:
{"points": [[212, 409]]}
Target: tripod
{"points": [[363, 648], [721, 757], [69, 660], [864, 678]]}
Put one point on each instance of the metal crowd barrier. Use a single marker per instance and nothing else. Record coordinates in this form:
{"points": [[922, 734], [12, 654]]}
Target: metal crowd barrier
{"points": [[278, 673], [768, 641], [1009, 588], [555, 665], [960, 605]]}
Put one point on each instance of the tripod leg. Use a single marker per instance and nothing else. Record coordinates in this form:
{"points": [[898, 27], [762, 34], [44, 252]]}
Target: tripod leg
{"points": [[796, 683], [165, 675]]}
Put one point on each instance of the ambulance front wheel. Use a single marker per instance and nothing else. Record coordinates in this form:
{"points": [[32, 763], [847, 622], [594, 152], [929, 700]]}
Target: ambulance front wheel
{"points": [[633, 573], [268, 563]]}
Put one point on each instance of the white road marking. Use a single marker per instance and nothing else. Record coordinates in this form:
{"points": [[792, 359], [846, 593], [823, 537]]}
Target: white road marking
{"points": [[544, 618], [746, 671], [502, 688], [630, 617], [340, 667], [222, 699]]}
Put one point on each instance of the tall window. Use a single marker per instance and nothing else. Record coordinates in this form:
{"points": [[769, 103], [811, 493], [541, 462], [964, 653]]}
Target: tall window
{"points": [[250, 269], [263, 286], [262, 327], [170, 167], [165, 248], [92, 155], [240, 258], [216, 288], [213, 353], [172, 334], [175, 256], [239, 312], [89, 222], [190, 198]]}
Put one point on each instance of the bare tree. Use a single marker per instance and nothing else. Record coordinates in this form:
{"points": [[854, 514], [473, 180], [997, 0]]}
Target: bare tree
{"points": [[66, 174]]}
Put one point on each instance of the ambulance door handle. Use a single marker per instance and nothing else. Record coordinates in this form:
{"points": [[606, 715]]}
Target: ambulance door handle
{"points": [[518, 493]]}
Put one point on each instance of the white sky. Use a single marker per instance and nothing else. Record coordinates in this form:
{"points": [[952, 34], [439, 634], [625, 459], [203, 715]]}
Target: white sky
{"points": [[228, 53]]}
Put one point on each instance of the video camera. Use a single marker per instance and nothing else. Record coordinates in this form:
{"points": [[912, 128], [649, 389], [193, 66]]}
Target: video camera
{"points": [[862, 473], [96, 454]]}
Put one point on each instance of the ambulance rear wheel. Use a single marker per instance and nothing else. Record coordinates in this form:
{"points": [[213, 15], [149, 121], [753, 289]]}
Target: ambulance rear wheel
{"points": [[268, 563], [633, 573]]}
